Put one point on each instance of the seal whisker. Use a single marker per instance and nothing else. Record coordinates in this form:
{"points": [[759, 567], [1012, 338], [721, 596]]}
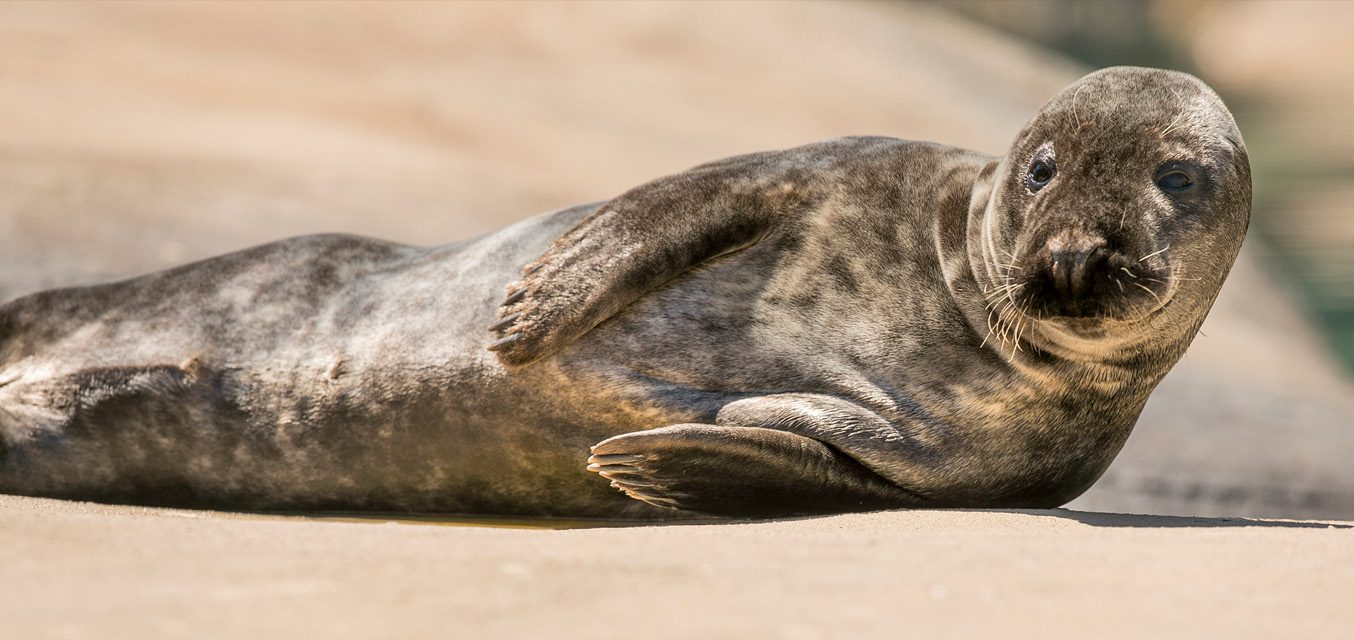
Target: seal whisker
{"points": [[990, 330], [999, 325], [1149, 290], [1172, 125], [1075, 113], [1020, 318], [1009, 317], [1161, 250]]}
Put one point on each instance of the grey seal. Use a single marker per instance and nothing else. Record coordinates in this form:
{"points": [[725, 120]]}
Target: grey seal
{"points": [[856, 324]]}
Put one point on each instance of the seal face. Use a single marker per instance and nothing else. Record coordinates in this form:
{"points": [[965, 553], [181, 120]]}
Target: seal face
{"points": [[856, 324], [1124, 187]]}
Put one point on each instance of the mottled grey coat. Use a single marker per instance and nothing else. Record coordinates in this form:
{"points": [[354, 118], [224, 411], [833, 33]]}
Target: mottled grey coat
{"points": [[860, 323]]}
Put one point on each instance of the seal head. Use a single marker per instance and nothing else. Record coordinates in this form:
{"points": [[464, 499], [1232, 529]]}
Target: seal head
{"points": [[1115, 215]]}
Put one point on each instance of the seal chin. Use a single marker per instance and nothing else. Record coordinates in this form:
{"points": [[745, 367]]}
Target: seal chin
{"points": [[1096, 335], [1082, 338], [1085, 328]]}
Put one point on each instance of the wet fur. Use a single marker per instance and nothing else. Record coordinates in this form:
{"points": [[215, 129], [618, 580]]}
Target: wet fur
{"points": [[826, 328]]}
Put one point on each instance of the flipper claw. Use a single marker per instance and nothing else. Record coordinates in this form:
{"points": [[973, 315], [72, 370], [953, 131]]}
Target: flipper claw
{"points": [[505, 342], [505, 322]]}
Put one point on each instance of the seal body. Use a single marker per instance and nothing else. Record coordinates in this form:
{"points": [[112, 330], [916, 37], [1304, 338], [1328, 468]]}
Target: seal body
{"points": [[860, 323], [324, 372]]}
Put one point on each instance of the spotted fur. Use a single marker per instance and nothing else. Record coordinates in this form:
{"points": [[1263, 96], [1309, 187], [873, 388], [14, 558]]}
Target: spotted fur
{"points": [[845, 325]]}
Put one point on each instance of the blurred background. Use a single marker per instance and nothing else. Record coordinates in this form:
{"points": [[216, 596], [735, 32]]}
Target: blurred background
{"points": [[136, 136]]}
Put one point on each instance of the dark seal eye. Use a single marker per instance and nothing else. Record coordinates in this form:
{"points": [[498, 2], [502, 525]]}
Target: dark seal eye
{"points": [[1041, 172], [1174, 178]]}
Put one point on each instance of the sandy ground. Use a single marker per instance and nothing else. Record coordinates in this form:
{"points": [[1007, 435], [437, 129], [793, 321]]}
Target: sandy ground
{"points": [[134, 137], [142, 573]]}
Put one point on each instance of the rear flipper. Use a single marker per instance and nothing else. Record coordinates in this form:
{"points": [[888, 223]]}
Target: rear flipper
{"points": [[41, 415], [130, 434], [741, 471]]}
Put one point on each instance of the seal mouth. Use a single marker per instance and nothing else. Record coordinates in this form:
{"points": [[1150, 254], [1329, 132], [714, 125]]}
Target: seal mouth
{"points": [[1127, 303], [1082, 280], [1012, 327], [1093, 293]]}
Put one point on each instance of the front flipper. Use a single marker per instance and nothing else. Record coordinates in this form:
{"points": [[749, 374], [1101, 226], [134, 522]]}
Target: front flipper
{"points": [[740, 471], [637, 242]]}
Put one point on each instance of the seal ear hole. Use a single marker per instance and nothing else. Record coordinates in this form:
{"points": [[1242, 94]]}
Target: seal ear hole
{"points": [[1041, 172]]}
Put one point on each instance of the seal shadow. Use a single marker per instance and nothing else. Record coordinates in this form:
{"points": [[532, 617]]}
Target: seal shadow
{"points": [[1091, 518], [1124, 520], [1116, 520], [496, 522]]}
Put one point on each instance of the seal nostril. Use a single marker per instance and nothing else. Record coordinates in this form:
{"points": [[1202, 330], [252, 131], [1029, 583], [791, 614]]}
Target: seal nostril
{"points": [[1073, 270], [1061, 273], [1084, 267]]}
